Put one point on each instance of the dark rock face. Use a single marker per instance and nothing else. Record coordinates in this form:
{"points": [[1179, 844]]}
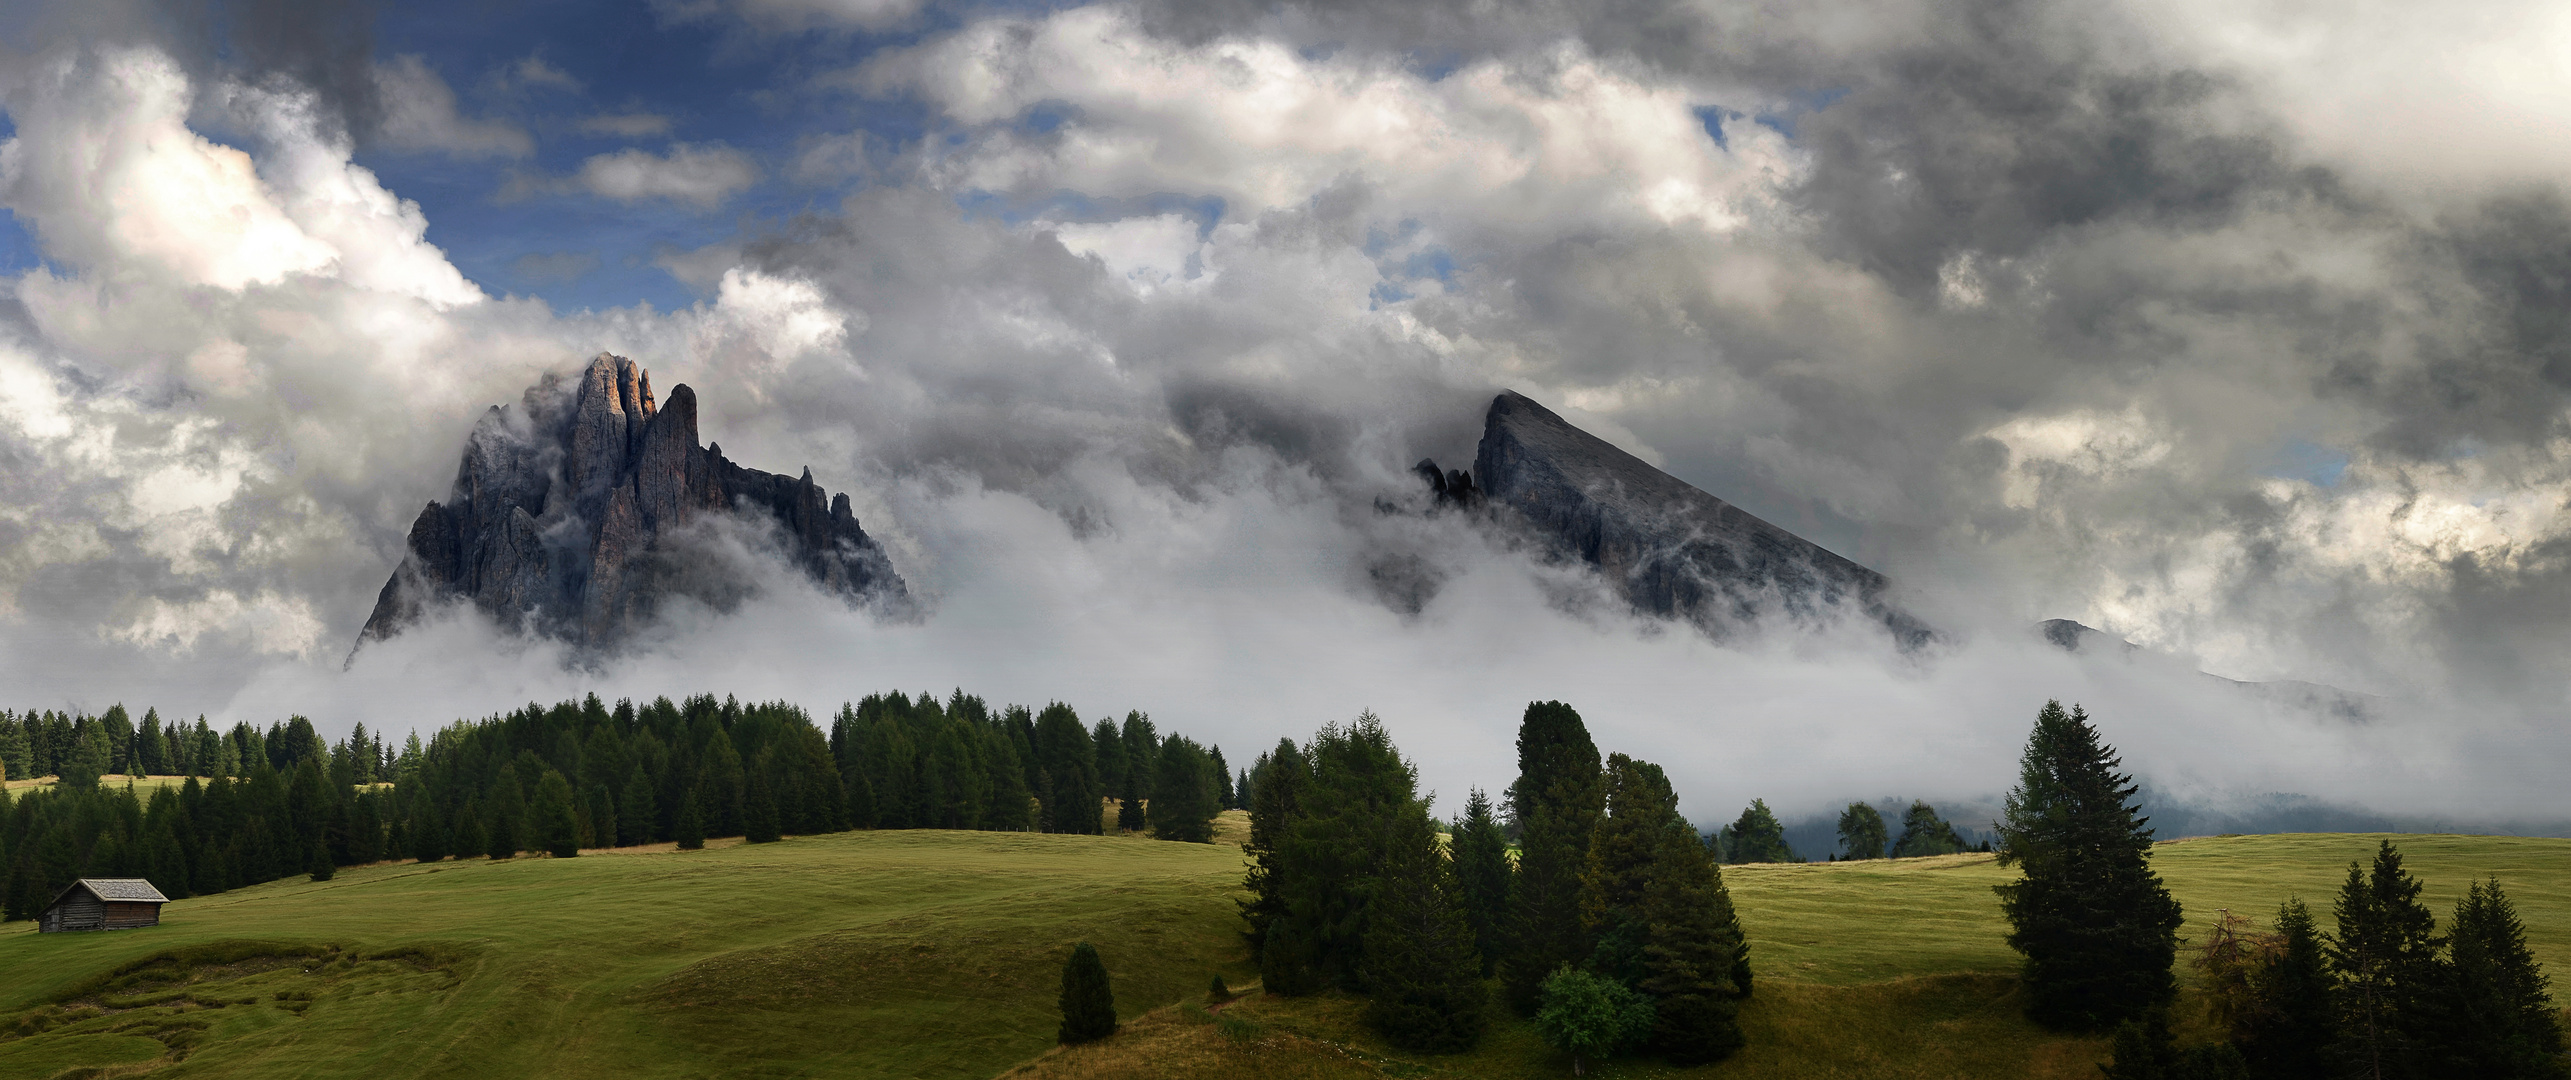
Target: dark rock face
{"points": [[1450, 488], [575, 516], [1670, 548]]}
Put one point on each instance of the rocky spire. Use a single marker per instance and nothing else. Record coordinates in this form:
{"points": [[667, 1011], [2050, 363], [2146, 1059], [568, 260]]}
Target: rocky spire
{"points": [[576, 515]]}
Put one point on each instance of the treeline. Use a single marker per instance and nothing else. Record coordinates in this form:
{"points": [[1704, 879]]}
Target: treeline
{"points": [[1612, 928], [2384, 995], [1758, 837], [574, 775], [78, 748]]}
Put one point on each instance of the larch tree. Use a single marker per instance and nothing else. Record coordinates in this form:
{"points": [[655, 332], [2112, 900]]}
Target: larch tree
{"points": [[2096, 927]]}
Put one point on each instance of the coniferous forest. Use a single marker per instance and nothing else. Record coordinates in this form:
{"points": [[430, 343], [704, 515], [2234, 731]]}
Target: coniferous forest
{"points": [[260, 805], [1581, 898], [1349, 891]]}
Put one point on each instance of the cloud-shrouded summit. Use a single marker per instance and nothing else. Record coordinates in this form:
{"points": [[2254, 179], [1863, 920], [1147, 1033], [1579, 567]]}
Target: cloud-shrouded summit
{"points": [[2232, 330]]}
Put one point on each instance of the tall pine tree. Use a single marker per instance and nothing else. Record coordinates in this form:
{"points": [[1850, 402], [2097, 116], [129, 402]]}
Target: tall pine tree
{"points": [[1757, 837], [2385, 955], [1332, 857], [2503, 1025], [1924, 833], [1861, 832], [1184, 800], [1555, 804], [1481, 853], [1654, 899], [1283, 776], [2287, 1028], [1422, 974], [2097, 928]]}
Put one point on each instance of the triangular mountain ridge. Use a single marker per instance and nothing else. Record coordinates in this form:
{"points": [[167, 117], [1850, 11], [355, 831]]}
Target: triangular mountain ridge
{"points": [[1670, 548]]}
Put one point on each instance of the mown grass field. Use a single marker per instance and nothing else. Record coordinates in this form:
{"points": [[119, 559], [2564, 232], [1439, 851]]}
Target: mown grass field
{"points": [[925, 954], [891, 954]]}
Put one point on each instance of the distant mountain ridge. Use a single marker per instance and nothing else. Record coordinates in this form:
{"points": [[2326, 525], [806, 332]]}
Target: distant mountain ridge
{"points": [[577, 515], [1670, 548], [2318, 698]]}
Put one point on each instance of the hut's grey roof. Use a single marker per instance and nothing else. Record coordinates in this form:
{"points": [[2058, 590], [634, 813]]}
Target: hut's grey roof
{"points": [[115, 888]]}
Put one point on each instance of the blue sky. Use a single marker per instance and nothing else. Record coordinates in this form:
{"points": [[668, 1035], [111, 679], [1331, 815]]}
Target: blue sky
{"points": [[712, 81]]}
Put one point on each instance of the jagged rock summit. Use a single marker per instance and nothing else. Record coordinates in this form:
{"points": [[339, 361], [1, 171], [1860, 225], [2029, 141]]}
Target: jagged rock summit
{"points": [[1670, 548], [577, 515]]}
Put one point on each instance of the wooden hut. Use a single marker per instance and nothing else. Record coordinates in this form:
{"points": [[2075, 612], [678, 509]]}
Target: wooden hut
{"points": [[110, 903]]}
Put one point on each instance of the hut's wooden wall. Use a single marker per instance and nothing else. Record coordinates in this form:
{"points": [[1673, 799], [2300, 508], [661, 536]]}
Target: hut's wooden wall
{"points": [[82, 910], [128, 914]]}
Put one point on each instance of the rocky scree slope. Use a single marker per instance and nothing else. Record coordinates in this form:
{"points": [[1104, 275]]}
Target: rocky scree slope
{"points": [[577, 515]]}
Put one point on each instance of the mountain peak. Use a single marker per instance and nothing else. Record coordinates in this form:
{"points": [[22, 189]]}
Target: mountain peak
{"points": [[1671, 548], [578, 515]]}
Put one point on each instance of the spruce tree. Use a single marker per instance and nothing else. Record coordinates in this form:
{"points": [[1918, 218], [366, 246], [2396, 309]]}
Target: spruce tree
{"points": [[1861, 832], [2096, 927], [1481, 853], [428, 841], [691, 823], [1184, 800], [2288, 1028], [1332, 857], [502, 837], [1284, 776], [318, 863], [1088, 1002], [467, 839], [2501, 1020], [1067, 758], [759, 820], [557, 826], [2389, 973], [1557, 799], [1924, 833], [1623, 852], [602, 817], [1757, 837], [1422, 974], [1655, 903], [636, 810]]}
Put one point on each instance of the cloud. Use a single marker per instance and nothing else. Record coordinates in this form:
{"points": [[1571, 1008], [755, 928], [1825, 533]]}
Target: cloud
{"points": [[532, 70], [703, 175], [630, 125], [796, 16], [420, 114], [1121, 347], [555, 266]]}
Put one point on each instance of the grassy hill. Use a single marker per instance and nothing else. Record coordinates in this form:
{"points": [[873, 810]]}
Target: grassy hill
{"points": [[936, 954]]}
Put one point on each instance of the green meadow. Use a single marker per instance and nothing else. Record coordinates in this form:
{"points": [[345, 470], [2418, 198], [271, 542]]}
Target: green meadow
{"points": [[937, 954]]}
